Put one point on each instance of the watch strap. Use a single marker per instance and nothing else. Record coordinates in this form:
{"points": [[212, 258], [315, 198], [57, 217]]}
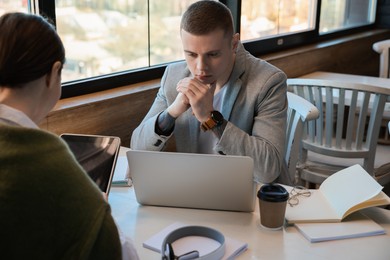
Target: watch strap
{"points": [[209, 124], [215, 119]]}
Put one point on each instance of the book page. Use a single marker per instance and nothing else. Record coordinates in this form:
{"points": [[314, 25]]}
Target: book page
{"points": [[349, 187], [379, 200], [310, 209]]}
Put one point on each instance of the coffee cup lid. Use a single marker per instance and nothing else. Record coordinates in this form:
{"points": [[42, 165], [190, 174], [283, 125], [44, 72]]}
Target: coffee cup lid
{"points": [[273, 193]]}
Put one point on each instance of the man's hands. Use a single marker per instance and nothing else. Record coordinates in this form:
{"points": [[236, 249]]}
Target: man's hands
{"points": [[195, 94], [179, 106]]}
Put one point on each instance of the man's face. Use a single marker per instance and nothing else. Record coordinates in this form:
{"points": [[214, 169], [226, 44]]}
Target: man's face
{"points": [[209, 57]]}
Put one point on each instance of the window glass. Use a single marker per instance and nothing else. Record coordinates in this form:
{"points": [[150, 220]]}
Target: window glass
{"points": [[338, 15], [134, 37], [13, 6], [269, 18], [103, 37], [165, 42]]}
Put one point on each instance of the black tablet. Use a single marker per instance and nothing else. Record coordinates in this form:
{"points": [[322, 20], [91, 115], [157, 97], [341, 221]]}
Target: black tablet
{"points": [[97, 155]]}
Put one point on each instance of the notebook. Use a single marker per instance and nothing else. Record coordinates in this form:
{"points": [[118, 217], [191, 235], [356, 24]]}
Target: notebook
{"points": [[97, 155], [203, 181], [354, 226]]}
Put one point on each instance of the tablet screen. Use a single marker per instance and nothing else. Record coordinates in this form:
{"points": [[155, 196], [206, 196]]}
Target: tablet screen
{"points": [[96, 154]]}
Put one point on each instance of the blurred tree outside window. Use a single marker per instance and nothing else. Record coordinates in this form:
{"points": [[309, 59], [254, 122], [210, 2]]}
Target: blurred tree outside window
{"points": [[102, 37], [13, 6]]}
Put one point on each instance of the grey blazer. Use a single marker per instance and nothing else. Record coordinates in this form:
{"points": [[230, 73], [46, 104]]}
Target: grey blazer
{"points": [[255, 106]]}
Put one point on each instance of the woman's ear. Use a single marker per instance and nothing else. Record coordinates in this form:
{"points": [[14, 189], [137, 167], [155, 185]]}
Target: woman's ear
{"points": [[54, 75]]}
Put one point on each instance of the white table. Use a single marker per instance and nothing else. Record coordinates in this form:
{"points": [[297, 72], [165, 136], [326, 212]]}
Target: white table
{"points": [[141, 222], [374, 81]]}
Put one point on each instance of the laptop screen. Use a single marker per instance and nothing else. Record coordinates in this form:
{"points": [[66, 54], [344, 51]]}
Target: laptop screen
{"points": [[96, 154]]}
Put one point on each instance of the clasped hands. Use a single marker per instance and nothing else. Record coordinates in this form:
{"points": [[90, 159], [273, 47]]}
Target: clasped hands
{"points": [[195, 94]]}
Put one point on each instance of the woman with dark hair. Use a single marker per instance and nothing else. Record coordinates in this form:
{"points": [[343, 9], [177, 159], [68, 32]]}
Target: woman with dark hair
{"points": [[31, 53], [50, 208]]}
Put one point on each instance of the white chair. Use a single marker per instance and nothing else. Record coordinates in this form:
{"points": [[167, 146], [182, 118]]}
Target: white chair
{"points": [[383, 172], [340, 133], [299, 112], [382, 47]]}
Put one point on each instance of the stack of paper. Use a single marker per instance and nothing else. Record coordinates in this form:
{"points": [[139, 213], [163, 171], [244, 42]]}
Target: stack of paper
{"points": [[204, 245], [355, 225]]}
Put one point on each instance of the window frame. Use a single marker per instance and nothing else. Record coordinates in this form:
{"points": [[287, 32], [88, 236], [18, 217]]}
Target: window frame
{"points": [[256, 47]]}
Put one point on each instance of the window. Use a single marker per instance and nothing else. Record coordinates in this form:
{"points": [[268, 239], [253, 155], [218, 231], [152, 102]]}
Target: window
{"points": [[337, 15], [268, 18], [107, 37], [119, 42], [13, 6]]}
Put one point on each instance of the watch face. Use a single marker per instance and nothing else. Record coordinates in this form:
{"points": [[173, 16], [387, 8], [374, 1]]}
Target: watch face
{"points": [[217, 117]]}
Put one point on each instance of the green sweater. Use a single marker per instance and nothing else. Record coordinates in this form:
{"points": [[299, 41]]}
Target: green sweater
{"points": [[49, 207]]}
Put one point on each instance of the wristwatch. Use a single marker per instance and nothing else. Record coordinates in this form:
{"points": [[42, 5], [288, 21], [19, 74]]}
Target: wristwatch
{"points": [[215, 119]]}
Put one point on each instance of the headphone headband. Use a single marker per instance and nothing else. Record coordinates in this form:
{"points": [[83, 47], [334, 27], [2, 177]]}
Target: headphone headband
{"points": [[193, 231]]}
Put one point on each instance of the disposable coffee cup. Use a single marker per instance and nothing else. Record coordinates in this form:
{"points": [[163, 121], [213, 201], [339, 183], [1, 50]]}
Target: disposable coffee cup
{"points": [[272, 203]]}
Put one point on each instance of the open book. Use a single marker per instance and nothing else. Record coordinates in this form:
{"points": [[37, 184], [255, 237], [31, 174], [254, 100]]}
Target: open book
{"points": [[204, 245], [342, 193]]}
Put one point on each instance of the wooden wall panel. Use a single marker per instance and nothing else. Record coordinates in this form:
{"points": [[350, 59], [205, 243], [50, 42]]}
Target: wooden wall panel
{"points": [[117, 116], [353, 55]]}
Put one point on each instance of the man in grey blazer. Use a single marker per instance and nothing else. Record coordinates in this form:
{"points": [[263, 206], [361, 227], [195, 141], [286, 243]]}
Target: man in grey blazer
{"points": [[221, 99]]}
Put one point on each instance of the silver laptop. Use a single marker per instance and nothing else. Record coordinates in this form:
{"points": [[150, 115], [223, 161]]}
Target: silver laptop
{"points": [[204, 181]]}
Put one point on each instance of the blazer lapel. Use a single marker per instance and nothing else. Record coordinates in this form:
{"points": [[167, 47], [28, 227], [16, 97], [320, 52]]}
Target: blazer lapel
{"points": [[234, 84], [230, 98]]}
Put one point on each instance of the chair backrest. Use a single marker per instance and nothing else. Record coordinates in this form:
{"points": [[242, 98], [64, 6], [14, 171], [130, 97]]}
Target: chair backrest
{"points": [[382, 47], [349, 121], [299, 112]]}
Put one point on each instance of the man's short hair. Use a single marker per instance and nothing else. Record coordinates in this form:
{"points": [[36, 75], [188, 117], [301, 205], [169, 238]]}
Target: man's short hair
{"points": [[207, 16]]}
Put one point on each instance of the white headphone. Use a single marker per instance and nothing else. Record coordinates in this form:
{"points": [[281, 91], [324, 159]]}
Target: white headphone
{"points": [[167, 251]]}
